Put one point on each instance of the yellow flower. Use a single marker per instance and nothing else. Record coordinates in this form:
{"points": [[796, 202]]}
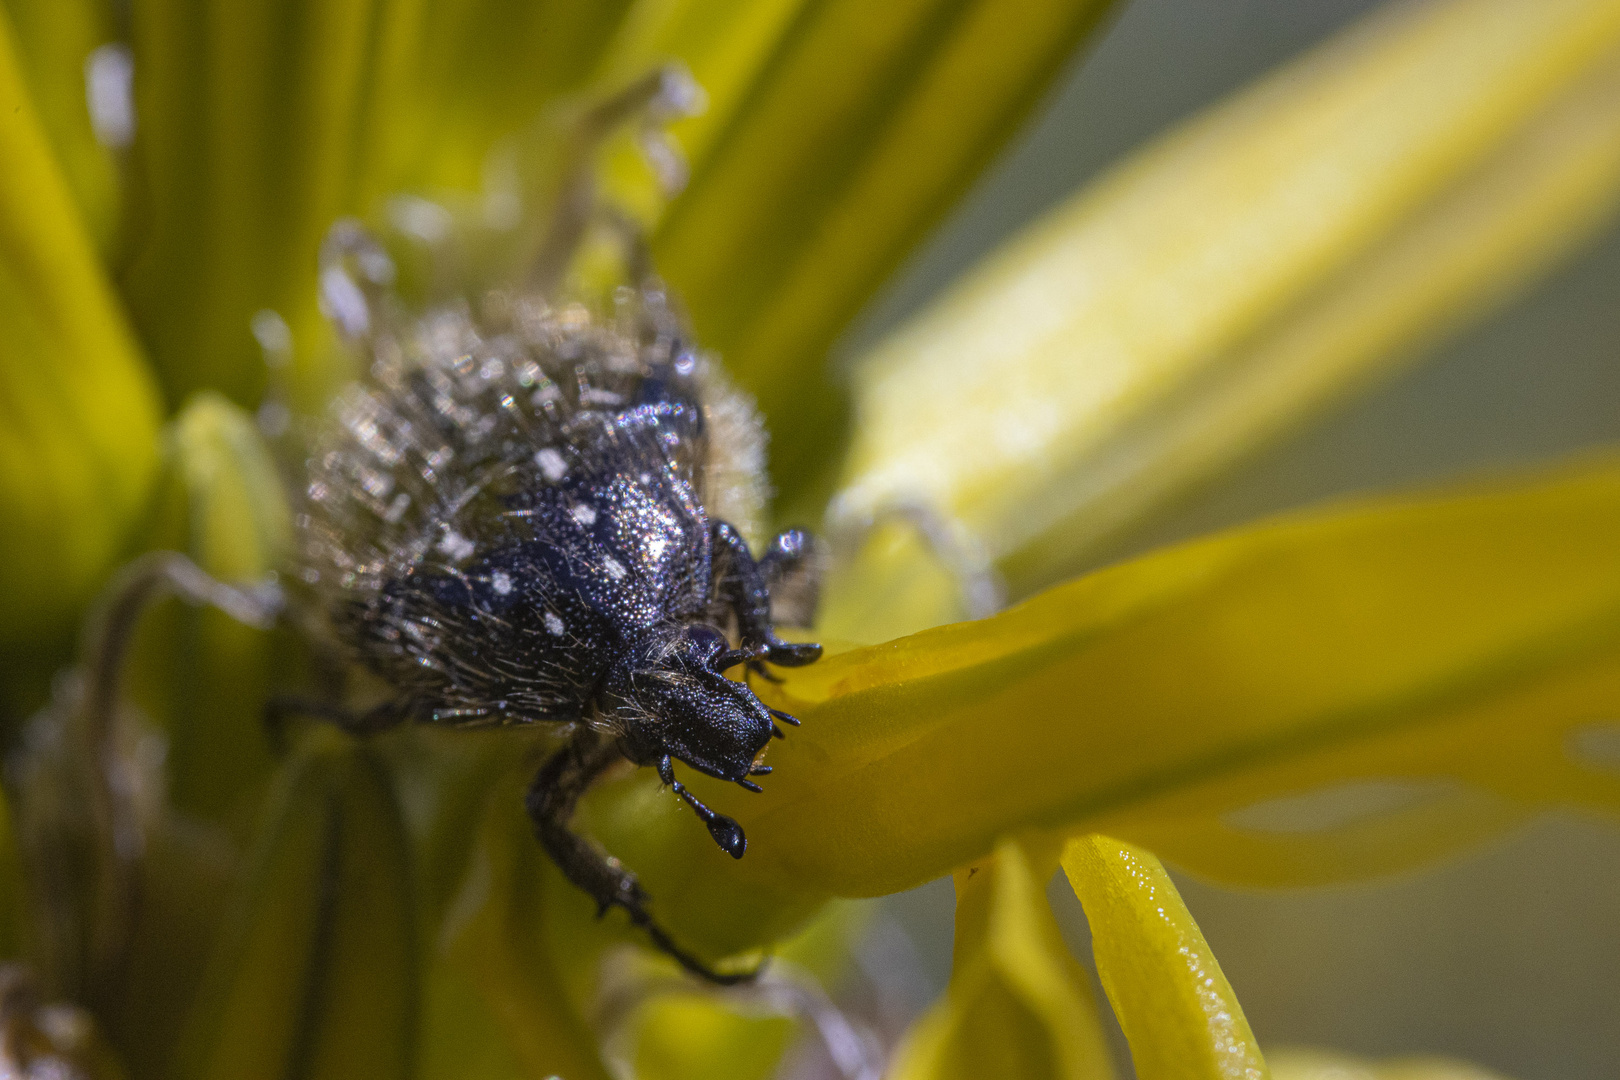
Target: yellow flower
{"points": [[380, 909]]}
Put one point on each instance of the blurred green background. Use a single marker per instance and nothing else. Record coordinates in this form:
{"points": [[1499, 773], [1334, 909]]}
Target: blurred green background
{"points": [[1510, 955]]}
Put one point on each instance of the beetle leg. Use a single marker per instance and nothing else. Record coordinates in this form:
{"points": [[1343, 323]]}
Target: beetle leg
{"points": [[792, 567], [742, 587], [371, 721], [551, 800]]}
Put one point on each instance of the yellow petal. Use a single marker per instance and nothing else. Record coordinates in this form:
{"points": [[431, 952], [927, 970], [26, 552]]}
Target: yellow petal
{"points": [[686, 1031], [199, 673], [1173, 1003], [262, 123], [1284, 247], [248, 134], [78, 442], [1472, 640], [451, 77], [1018, 1004], [724, 43], [1292, 1064], [315, 972], [863, 127], [12, 890], [55, 39], [494, 940]]}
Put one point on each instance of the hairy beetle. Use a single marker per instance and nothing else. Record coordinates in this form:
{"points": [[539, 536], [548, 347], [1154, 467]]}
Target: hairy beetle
{"points": [[520, 516]]}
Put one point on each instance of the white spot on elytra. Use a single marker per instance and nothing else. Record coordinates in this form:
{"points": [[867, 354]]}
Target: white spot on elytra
{"points": [[501, 582], [615, 569], [591, 395], [455, 545], [582, 514], [554, 625], [655, 547], [551, 464]]}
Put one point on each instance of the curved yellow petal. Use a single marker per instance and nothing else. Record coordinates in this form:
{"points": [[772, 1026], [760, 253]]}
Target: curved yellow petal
{"points": [[1471, 640], [1018, 1003], [861, 129], [78, 412], [1286, 246], [1175, 1006]]}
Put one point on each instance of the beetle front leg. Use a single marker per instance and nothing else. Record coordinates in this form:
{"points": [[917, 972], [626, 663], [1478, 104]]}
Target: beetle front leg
{"points": [[551, 800], [742, 586]]}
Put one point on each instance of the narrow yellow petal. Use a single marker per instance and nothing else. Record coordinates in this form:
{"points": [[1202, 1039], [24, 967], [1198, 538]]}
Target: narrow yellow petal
{"points": [[247, 137], [860, 131], [262, 123], [1285, 247], [199, 673], [495, 941], [1018, 1004], [12, 889], [685, 1031], [55, 39], [1175, 1006], [78, 413], [1291, 1064], [1471, 641], [314, 973], [724, 43]]}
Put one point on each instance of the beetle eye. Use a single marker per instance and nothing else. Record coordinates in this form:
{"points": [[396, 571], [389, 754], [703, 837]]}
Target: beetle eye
{"points": [[707, 642]]}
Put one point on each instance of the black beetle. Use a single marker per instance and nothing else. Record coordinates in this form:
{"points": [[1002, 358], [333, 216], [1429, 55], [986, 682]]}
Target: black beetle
{"points": [[520, 518]]}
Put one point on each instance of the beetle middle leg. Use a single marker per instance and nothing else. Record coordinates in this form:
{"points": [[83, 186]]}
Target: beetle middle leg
{"points": [[741, 585], [551, 801]]}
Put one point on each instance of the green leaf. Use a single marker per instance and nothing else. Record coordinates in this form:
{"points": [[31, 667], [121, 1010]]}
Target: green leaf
{"points": [[1175, 1006], [865, 124], [78, 414], [54, 39], [1230, 278], [315, 973], [1018, 1004], [1456, 647]]}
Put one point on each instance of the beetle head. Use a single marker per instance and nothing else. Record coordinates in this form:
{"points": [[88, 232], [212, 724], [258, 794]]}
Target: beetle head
{"points": [[668, 697]]}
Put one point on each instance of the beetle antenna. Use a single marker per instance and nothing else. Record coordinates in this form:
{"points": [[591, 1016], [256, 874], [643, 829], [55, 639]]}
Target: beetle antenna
{"points": [[726, 832]]}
